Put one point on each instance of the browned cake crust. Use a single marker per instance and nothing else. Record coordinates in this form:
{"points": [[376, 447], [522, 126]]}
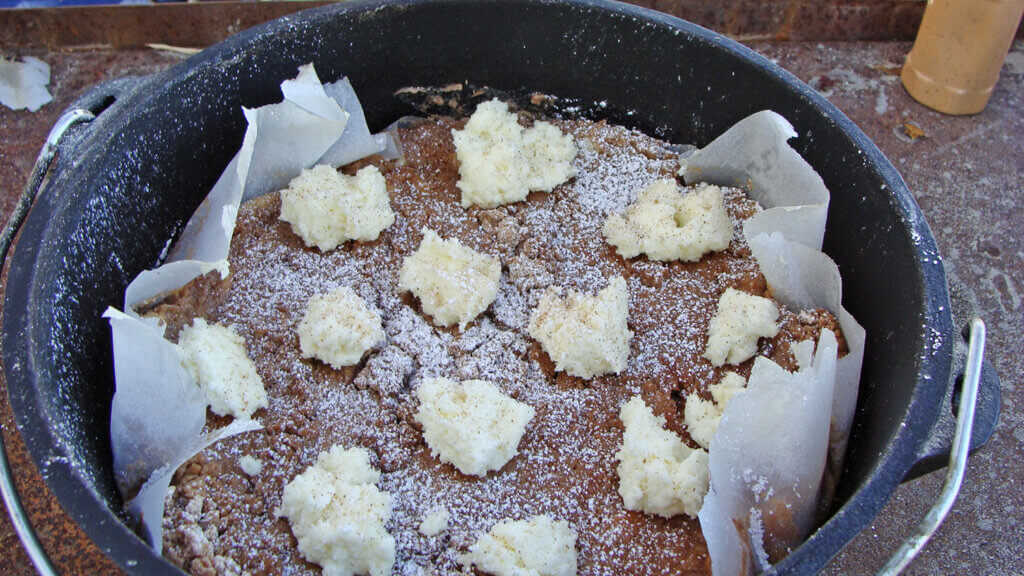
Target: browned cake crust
{"points": [[219, 519]]}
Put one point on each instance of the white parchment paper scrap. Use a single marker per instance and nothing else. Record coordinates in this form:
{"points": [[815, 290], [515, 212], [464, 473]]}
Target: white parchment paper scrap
{"points": [[23, 84], [778, 450], [765, 487], [754, 155], [158, 412]]}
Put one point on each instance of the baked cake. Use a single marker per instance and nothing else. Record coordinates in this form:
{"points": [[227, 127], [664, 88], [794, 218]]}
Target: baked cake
{"points": [[224, 513]]}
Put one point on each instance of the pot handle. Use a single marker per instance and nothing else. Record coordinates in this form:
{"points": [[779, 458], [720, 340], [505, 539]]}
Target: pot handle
{"points": [[82, 111], [92, 103], [936, 451], [8, 489], [963, 439]]}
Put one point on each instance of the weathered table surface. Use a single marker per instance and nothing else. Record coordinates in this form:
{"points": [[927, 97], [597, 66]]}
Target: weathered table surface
{"points": [[967, 173]]}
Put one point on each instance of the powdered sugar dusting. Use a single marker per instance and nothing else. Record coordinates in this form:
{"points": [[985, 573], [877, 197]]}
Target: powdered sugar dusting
{"points": [[566, 462]]}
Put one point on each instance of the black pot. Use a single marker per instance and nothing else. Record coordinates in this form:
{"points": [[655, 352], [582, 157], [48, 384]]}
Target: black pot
{"points": [[128, 181]]}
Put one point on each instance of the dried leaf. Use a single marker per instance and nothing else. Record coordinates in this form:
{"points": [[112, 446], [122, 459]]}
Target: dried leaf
{"points": [[914, 131], [888, 68]]}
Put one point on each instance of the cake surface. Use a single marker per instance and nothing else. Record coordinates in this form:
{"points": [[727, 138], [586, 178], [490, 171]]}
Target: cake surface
{"points": [[221, 519]]}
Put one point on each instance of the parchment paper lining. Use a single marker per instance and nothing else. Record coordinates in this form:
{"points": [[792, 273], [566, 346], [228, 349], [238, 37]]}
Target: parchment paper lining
{"points": [[158, 412], [771, 466], [771, 448]]}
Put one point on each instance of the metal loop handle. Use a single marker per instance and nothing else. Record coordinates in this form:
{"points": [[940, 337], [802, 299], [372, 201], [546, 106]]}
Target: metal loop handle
{"points": [[8, 489], [957, 458]]}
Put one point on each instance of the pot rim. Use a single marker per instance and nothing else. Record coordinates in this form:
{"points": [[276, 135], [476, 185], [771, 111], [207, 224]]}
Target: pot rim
{"points": [[110, 534]]}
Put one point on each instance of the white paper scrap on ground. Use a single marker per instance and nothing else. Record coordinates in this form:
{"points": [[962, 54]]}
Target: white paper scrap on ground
{"points": [[23, 84]]}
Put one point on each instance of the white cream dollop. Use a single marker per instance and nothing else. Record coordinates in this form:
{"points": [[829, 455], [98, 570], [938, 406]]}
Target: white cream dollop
{"points": [[658, 473], [539, 546], [584, 335], [217, 358], [739, 321], [327, 208], [702, 416], [337, 514], [500, 162], [471, 424], [453, 282], [338, 328], [435, 522], [667, 225]]}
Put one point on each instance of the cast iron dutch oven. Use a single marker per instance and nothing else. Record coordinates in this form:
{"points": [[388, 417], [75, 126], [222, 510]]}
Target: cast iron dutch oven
{"points": [[128, 181]]}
